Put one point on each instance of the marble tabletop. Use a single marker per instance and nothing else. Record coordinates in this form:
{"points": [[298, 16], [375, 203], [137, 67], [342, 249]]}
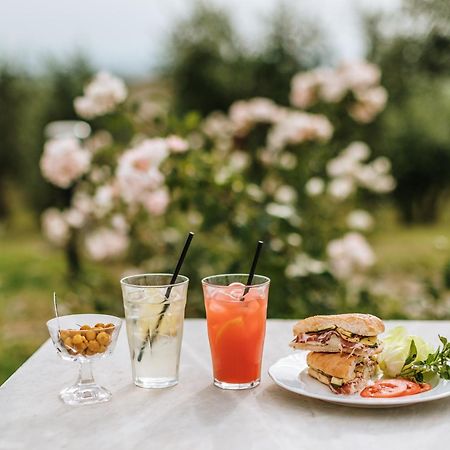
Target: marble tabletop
{"points": [[196, 415]]}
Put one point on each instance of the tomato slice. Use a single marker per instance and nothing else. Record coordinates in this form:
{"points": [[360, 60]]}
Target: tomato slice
{"points": [[386, 389], [413, 388], [394, 388], [424, 387]]}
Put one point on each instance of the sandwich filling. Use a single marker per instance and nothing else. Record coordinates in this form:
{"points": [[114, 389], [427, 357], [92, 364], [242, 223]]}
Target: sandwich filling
{"points": [[363, 371], [349, 342]]}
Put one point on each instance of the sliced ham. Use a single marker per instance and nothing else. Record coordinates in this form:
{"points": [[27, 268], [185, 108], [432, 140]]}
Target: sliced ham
{"points": [[323, 338], [358, 383]]}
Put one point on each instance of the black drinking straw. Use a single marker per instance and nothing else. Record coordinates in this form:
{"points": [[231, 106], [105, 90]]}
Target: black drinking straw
{"points": [[149, 339], [252, 269]]}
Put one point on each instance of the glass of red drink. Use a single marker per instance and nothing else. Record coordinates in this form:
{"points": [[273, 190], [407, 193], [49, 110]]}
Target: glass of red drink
{"points": [[236, 318]]}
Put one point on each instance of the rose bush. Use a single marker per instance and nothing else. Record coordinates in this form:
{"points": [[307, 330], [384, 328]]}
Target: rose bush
{"points": [[259, 171]]}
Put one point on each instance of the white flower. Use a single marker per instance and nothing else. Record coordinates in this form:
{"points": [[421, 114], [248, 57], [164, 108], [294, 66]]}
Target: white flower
{"points": [[303, 89], [99, 140], [287, 161], [55, 227], [255, 192], [286, 194], [64, 161], [106, 243], [381, 165], [276, 244], [357, 151], [100, 174], [314, 186], [371, 179], [101, 96], [83, 202], [177, 144], [342, 166], [267, 157], [383, 184], [156, 202], [244, 114], [222, 175], [360, 220], [239, 161], [85, 107], [75, 218], [297, 127], [340, 188], [304, 265], [104, 199], [360, 74], [281, 211], [218, 126], [349, 255], [350, 171], [294, 239], [295, 220], [138, 170], [369, 104], [119, 223], [333, 86]]}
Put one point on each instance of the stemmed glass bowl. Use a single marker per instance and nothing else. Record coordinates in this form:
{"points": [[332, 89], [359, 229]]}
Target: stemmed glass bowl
{"points": [[84, 338]]}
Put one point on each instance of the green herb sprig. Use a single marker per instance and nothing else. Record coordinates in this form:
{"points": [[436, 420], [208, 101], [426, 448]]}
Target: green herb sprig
{"points": [[437, 363]]}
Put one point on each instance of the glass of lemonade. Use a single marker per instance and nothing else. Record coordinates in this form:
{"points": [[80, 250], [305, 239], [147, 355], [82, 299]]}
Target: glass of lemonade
{"points": [[236, 319], [154, 312]]}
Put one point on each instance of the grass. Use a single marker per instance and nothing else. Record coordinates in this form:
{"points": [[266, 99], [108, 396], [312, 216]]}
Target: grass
{"points": [[30, 270], [418, 249]]}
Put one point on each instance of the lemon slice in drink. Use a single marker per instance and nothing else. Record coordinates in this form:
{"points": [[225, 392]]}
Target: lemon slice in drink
{"points": [[148, 318], [230, 324], [170, 324]]}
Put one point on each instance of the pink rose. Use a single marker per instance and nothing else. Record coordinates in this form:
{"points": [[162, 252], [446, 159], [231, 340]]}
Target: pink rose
{"points": [[64, 161], [156, 202]]}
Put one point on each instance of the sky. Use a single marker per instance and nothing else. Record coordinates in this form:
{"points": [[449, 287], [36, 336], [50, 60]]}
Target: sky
{"points": [[129, 37]]}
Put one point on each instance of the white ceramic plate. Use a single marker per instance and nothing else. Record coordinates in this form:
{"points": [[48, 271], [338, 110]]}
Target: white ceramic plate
{"points": [[291, 373]]}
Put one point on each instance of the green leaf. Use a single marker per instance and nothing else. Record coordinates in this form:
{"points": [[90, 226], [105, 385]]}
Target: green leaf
{"points": [[412, 354]]}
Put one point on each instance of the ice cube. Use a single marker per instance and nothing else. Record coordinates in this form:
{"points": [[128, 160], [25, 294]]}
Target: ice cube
{"points": [[214, 306], [235, 290]]}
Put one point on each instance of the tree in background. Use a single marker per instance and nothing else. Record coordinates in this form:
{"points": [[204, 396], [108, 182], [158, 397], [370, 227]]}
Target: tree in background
{"points": [[61, 83], [414, 130], [210, 67], [13, 101], [27, 104]]}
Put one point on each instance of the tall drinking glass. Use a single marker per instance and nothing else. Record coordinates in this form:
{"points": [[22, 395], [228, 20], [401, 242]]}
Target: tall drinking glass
{"points": [[236, 318], [154, 312]]}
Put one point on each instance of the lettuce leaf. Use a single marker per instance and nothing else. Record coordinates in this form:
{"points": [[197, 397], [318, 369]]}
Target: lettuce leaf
{"points": [[397, 344]]}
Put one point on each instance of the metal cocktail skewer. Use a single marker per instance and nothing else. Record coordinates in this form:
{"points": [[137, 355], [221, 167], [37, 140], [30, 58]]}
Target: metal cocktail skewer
{"points": [[149, 339], [55, 307]]}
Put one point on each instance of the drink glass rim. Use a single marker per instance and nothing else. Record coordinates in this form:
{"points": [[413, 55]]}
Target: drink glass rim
{"points": [[54, 324], [207, 283], [124, 281]]}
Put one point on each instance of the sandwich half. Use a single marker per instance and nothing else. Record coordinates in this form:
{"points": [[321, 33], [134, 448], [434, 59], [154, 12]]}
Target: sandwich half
{"points": [[356, 334], [342, 373]]}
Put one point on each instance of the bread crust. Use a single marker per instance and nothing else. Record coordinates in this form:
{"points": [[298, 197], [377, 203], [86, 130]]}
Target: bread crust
{"points": [[361, 324], [334, 364]]}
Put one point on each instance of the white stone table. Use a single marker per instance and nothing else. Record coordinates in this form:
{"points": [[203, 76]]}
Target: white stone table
{"points": [[196, 415]]}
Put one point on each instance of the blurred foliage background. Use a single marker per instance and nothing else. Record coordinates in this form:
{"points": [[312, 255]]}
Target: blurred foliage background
{"points": [[207, 69]]}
